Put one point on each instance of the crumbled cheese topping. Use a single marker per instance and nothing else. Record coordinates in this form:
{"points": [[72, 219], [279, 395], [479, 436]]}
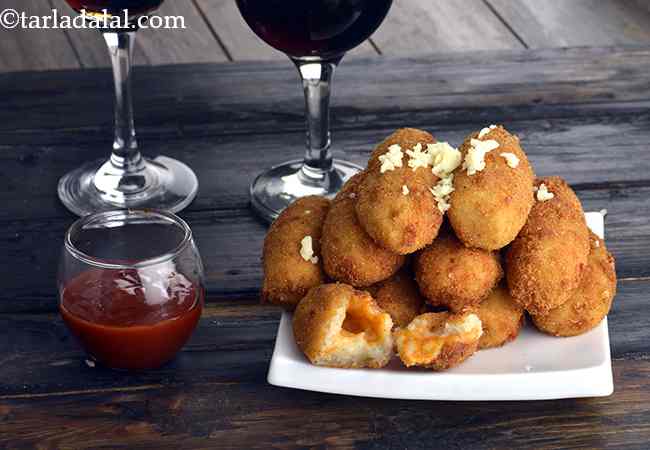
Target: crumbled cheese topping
{"points": [[391, 159], [441, 156], [470, 324], [475, 158], [419, 158], [441, 192], [307, 212], [445, 158], [352, 195], [511, 159], [543, 193], [596, 243], [307, 250], [486, 130]]}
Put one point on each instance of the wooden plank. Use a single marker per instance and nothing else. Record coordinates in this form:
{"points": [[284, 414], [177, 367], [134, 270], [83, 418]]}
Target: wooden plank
{"points": [[568, 139], [253, 415], [229, 412], [232, 344], [34, 49], [240, 41], [89, 45], [194, 44], [571, 148], [225, 99], [576, 22], [424, 26], [230, 241]]}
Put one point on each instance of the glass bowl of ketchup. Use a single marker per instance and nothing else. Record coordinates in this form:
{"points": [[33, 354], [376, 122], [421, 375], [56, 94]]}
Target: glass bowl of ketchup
{"points": [[131, 286]]}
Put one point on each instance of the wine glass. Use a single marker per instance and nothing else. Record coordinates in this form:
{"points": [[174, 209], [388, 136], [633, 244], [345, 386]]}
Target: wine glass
{"points": [[130, 286], [315, 34], [126, 180]]}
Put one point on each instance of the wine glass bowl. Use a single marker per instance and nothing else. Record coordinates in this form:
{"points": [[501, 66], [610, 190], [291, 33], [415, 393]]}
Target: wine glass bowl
{"points": [[315, 34], [317, 28], [131, 286]]}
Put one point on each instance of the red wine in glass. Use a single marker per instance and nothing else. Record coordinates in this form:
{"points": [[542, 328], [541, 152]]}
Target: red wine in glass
{"points": [[116, 7], [322, 28]]}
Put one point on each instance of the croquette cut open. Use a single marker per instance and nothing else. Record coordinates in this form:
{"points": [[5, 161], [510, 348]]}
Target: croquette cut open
{"points": [[438, 341], [336, 325]]}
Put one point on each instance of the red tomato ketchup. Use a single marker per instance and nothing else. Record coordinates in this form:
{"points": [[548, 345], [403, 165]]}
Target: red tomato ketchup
{"points": [[132, 318]]}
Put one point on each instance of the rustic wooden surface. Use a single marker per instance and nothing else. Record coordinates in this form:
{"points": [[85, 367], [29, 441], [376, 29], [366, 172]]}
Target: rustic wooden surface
{"points": [[581, 113], [216, 32]]}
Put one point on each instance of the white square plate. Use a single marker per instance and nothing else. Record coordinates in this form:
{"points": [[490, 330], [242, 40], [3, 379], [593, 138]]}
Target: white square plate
{"points": [[532, 367]]}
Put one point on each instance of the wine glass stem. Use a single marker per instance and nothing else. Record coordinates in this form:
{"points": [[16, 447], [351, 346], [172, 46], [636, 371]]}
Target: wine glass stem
{"points": [[126, 155], [316, 75]]}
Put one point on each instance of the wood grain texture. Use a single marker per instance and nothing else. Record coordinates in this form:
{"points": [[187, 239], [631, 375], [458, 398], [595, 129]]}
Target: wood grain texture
{"points": [[423, 26], [576, 22], [253, 414], [89, 46], [555, 146], [240, 41], [566, 123], [233, 344], [230, 241], [194, 44], [581, 113], [34, 49], [214, 394], [225, 99]]}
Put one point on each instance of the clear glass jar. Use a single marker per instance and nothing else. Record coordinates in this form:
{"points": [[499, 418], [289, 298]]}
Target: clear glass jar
{"points": [[131, 286]]}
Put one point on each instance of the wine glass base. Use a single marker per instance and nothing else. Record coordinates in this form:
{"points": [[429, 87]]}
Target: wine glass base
{"points": [[272, 191], [170, 186]]}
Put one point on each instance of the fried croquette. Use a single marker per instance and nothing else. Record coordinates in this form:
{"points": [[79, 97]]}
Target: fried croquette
{"points": [[452, 275], [406, 138], [349, 254], [338, 326], [590, 303], [490, 206], [395, 205], [399, 297], [501, 316], [289, 269], [545, 263], [438, 341]]}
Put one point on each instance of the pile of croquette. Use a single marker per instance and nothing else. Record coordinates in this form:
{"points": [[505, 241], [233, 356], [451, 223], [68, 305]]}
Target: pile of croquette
{"points": [[433, 253]]}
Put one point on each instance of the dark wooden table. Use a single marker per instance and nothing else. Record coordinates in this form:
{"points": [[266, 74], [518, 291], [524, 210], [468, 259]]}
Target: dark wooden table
{"points": [[581, 113]]}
